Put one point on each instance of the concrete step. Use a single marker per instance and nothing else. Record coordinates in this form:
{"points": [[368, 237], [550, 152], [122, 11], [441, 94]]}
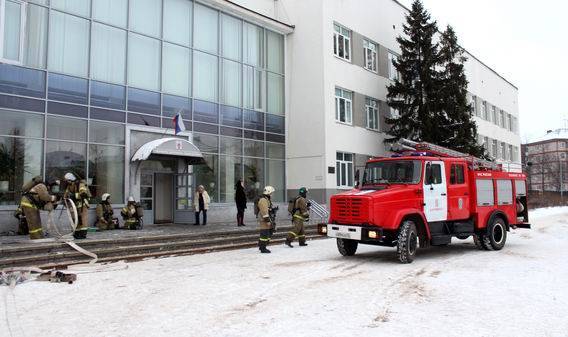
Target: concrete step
{"points": [[50, 254]]}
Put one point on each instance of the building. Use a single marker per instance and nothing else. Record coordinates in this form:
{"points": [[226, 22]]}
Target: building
{"points": [[546, 162], [283, 92]]}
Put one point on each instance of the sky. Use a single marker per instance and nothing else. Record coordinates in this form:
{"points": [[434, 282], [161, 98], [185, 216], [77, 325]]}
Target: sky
{"points": [[524, 41]]}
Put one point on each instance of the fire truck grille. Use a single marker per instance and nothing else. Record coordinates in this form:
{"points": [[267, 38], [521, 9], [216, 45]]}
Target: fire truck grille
{"points": [[351, 210]]}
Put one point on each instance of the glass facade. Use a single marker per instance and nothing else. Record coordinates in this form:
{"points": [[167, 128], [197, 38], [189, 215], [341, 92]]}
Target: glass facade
{"points": [[74, 74]]}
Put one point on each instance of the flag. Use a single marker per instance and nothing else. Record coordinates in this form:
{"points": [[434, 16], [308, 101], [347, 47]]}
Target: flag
{"points": [[178, 124]]}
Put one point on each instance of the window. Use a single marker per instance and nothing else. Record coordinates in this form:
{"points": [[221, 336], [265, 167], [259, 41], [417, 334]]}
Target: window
{"points": [[205, 76], [393, 72], [68, 44], [206, 175], [108, 53], [175, 69], [67, 89], [372, 108], [206, 28], [344, 169], [393, 172], [177, 21], [229, 174], [231, 83], [457, 174], [143, 62], [275, 174], [474, 105], [146, 17], [106, 133], [143, 101], [275, 94], [495, 150], [13, 22], [79, 7], [253, 44], [111, 11], [21, 160], [106, 171], [502, 119], [254, 177], [494, 115], [486, 143], [503, 150], [484, 110], [62, 157], [275, 52], [509, 122], [231, 37], [433, 174], [343, 102], [108, 95], [35, 41], [22, 81], [341, 42], [510, 153], [370, 55]]}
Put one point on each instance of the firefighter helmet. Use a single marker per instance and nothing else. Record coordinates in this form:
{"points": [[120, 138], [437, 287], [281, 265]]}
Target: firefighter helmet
{"points": [[105, 197], [268, 190], [70, 177], [303, 191]]}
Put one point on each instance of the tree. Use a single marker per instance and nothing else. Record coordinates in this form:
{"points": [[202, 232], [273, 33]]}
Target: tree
{"points": [[414, 92], [453, 97]]}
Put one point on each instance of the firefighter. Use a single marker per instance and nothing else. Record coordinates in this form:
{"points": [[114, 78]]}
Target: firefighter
{"points": [[132, 214], [105, 214], [266, 218], [36, 197], [300, 214], [78, 191]]}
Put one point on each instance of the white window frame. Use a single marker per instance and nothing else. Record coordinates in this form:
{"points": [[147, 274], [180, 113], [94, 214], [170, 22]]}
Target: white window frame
{"points": [[372, 109], [370, 50], [394, 113], [347, 97], [494, 114], [502, 119], [484, 113], [349, 167], [393, 73], [474, 104], [23, 17], [340, 31]]}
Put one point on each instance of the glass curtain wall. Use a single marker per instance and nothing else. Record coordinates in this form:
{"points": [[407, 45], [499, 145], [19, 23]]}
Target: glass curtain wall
{"points": [[83, 69]]}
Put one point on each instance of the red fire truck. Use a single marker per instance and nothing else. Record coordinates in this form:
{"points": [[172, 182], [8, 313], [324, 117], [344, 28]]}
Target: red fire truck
{"points": [[425, 195]]}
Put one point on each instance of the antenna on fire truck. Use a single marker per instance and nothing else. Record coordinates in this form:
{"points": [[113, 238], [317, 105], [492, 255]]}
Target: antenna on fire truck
{"points": [[437, 150]]}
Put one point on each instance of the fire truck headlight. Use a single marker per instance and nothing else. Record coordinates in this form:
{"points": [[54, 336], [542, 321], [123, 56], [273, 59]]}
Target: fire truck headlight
{"points": [[373, 235], [323, 229]]}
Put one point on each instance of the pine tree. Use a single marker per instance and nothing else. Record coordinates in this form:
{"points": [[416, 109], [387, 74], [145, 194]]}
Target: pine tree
{"points": [[414, 93], [452, 86]]}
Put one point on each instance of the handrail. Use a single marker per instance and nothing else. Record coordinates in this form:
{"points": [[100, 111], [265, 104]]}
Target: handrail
{"points": [[319, 211]]}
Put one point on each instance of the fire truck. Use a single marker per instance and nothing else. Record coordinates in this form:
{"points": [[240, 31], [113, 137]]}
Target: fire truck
{"points": [[425, 195]]}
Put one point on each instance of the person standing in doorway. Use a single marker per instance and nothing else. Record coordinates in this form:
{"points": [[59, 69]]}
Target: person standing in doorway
{"points": [[241, 202], [201, 202]]}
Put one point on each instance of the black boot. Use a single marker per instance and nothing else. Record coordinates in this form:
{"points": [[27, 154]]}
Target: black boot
{"points": [[288, 243], [262, 247], [303, 242]]}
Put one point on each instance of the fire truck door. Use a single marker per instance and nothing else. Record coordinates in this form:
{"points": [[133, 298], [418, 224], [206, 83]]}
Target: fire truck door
{"points": [[435, 192]]}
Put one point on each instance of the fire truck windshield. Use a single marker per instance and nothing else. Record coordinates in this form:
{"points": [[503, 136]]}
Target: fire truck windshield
{"points": [[393, 172]]}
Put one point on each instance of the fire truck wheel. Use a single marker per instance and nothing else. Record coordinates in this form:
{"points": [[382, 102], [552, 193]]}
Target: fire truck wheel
{"points": [[347, 247], [496, 235], [407, 242]]}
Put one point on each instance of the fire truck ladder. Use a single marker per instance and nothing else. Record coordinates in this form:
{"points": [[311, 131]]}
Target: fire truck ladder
{"points": [[319, 211], [441, 151]]}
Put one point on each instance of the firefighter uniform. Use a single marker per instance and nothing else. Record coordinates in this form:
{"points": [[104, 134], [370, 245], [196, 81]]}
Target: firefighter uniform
{"points": [[300, 214], [32, 201], [78, 191], [105, 214], [131, 214], [264, 212]]}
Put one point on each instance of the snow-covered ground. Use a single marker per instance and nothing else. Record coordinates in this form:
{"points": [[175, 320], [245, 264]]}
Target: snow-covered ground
{"points": [[313, 291]]}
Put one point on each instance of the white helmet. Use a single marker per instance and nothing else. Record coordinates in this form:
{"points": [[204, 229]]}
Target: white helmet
{"points": [[268, 190], [105, 196], [130, 199], [70, 177]]}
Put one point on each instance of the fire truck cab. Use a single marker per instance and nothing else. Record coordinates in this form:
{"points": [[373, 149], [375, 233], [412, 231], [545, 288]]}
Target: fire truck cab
{"points": [[425, 197]]}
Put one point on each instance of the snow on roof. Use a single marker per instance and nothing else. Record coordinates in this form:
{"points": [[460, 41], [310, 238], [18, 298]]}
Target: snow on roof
{"points": [[553, 134], [176, 147]]}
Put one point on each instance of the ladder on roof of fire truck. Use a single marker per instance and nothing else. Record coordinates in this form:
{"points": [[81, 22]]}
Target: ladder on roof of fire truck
{"points": [[441, 151]]}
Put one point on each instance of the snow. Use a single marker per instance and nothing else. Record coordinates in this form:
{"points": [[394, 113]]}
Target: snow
{"points": [[313, 291], [553, 134]]}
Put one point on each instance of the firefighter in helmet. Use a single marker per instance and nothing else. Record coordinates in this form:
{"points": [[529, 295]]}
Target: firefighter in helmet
{"points": [[105, 219], [36, 197], [78, 191], [132, 214], [265, 218], [300, 214]]}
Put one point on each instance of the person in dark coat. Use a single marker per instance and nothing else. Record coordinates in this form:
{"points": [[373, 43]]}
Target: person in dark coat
{"points": [[241, 201]]}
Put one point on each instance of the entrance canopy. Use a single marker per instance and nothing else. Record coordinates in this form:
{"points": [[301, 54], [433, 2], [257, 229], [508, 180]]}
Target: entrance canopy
{"points": [[170, 147]]}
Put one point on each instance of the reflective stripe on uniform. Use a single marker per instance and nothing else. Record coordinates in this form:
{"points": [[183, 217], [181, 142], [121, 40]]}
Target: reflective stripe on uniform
{"points": [[299, 217], [264, 239], [27, 204], [294, 234], [82, 229], [35, 230]]}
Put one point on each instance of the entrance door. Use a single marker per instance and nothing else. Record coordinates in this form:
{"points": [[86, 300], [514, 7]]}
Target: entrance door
{"points": [[146, 195], [163, 198], [435, 192], [184, 212]]}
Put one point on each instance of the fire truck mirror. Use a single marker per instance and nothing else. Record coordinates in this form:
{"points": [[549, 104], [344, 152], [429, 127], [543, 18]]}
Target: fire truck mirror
{"points": [[357, 174]]}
